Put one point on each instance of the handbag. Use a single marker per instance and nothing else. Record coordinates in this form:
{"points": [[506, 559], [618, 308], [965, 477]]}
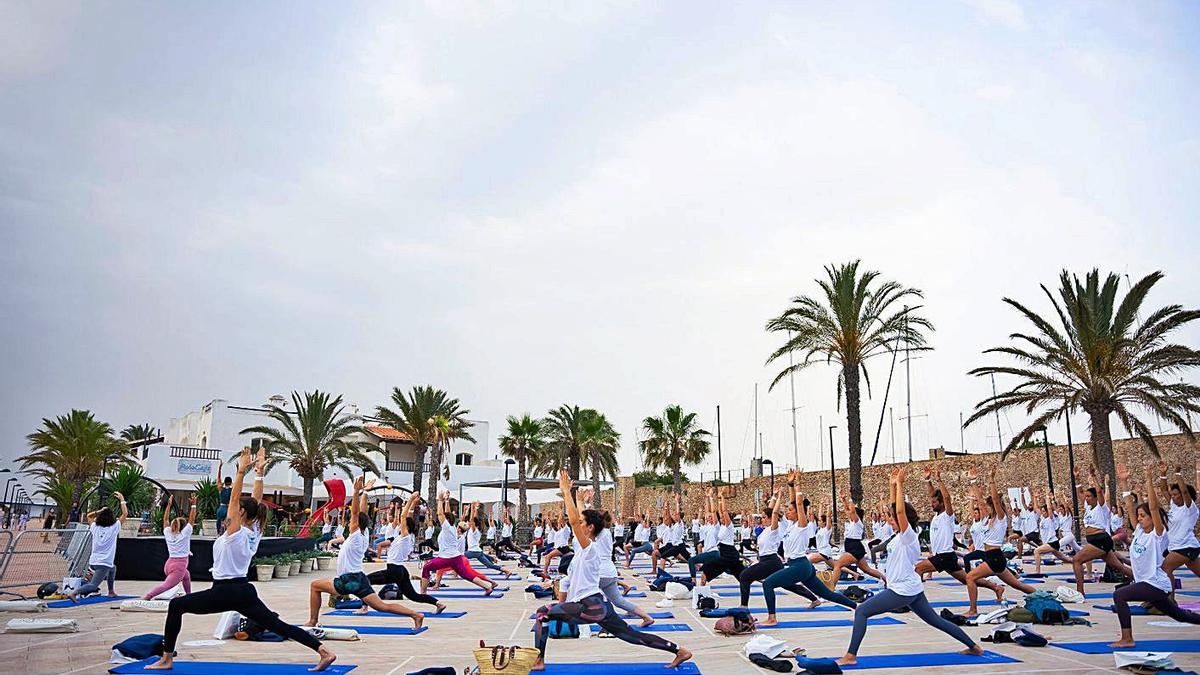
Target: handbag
{"points": [[827, 578], [505, 660]]}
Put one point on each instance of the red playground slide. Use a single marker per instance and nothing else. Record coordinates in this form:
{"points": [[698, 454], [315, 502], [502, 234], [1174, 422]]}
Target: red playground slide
{"points": [[337, 497]]}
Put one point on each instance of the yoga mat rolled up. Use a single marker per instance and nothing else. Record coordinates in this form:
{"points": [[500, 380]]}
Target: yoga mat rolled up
{"points": [[27, 606], [605, 668], [332, 633], [158, 606], [41, 626]]}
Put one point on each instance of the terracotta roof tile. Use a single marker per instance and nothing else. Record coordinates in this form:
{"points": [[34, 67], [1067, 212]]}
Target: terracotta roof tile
{"points": [[388, 433]]}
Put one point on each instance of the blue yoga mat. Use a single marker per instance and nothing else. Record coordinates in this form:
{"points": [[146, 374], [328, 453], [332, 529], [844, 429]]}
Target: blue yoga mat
{"points": [[1134, 610], [91, 600], [657, 628], [373, 613], [831, 623], [653, 615], [1189, 646], [650, 668], [384, 630], [925, 660], [225, 667]]}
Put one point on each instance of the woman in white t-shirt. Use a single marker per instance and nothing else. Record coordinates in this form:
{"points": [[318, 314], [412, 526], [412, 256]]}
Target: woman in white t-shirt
{"points": [[1097, 526], [178, 535], [994, 536], [904, 588], [104, 527], [1150, 583], [350, 579], [398, 552], [1182, 513], [231, 591], [585, 603], [474, 548]]}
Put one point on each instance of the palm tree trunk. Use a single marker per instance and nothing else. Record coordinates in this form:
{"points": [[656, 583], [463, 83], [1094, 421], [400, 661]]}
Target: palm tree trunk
{"points": [[676, 474], [522, 501], [308, 491], [596, 478], [418, 472], [576, 462], [77, 497], [1102, 451], [435, 468], [850, 375]]}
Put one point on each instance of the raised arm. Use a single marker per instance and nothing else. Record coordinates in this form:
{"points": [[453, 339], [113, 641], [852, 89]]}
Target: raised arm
{"points": [[573, 515], [354, 507], [235, 494], [365, 506], [947, 502], [848, 505], [408, 507], [1183, 487], [1155, 513], [260, 473], [898, 496], [124, 508], [777, 505], [167, 512], [998, 504], [798, 495], [192, 510]]}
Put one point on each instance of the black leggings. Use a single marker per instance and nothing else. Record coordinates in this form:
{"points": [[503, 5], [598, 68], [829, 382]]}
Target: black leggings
{"points": [[673, 551], [594, 609], [728, 562], [1142, 591], [505, 544], [398, 574], [230, 595], [765, 567]]}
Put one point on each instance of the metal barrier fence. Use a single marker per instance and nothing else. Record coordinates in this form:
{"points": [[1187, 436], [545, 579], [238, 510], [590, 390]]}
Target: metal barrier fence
{"points": [[34, 557]]}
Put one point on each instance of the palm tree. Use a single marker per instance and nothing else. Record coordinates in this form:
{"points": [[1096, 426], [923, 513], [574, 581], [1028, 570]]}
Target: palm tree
{"points": [[139, 432], [1102, 359], [413, 416], [672, 441], [62, 493], [599, 446], [524, 443], [564, 441], [73, 448], [319, 435], [445, 428], [852, 321]]}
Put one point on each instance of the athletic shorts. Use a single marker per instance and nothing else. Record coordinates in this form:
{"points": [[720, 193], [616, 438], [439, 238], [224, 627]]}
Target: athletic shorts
{"points": [[1054, 544], [812, 542], [1034, 538], [1191, 553], [855, 548], [995, 560], [353, 583], [945, 562], [563, 550], [1102, 541]]}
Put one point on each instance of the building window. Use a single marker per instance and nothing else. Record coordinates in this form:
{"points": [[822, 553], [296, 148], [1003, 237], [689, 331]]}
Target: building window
{"points": [[462, 459], [204, 441]]}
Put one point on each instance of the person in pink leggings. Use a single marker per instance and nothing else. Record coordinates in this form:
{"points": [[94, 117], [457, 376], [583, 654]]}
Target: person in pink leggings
{"points": [[178, 534], [449, 553]]}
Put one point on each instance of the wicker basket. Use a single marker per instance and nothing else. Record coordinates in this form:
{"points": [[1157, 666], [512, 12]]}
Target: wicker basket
{"points": [[827, 578], [505, 660]]}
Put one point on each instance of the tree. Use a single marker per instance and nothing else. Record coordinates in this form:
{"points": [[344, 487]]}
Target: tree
{"points": [[446, 427], [673, 441], [73, 448], [599, 450], [1100, 359], [564, 441], [523, 442], [319, 435], [63, 494], [139, 432], [413, 416], [853, 319]]}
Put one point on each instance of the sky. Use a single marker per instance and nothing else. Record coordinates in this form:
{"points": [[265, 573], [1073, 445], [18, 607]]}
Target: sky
{"points": [[529, 204]]}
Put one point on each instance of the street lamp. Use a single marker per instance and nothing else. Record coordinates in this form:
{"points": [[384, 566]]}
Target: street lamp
{"points": [[833, 505], [772, 465], [103, 472], [504, 491], [6, 487], [1046, 446]]}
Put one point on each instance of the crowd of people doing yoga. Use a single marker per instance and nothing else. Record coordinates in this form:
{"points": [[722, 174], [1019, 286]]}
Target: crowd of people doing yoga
{"points": [[781, 548]]}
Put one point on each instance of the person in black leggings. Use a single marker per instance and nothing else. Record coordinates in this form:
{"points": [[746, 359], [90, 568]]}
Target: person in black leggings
{"points": [[396, 572], [769, 563], [231, 592]]}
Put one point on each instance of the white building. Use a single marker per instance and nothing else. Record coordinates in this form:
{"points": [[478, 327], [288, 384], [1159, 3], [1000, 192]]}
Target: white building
{"points": [[193, 446]]}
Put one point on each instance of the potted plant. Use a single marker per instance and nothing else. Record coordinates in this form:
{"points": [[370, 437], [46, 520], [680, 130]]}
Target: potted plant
{"points": [[306, 561], [208, 497], [294, 564], [265, 568], [324, 560], [282, 568]]}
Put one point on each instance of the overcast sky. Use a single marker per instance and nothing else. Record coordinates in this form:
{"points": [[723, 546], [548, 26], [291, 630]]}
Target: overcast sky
{"points": [[599, 205]]}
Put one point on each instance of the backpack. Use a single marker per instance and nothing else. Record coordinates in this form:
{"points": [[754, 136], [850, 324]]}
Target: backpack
{"points": [[249, 629], [1021, 615], [857, 593], [561, 630], [390, 592], [141, 646], [1113, 576], [737, 621], [540, 592], [1046, 608]]}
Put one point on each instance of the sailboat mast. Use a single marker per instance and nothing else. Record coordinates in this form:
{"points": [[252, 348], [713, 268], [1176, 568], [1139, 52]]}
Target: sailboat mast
{"points": [[757, 446], [908, 381], [999, 438], [792, 384]]}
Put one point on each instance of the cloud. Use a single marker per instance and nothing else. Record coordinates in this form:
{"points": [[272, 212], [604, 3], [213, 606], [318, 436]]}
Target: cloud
{"points": [[35, 36], [1007, 13], [995, 92]]}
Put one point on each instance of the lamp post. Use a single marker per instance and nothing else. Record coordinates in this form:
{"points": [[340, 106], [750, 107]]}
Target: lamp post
{"points": [[504, 490], [772, 465], [833, 506], [7, 486], [1071, 468], [1046, 446]]}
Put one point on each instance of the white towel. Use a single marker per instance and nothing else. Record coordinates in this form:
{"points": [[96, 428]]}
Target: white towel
{"points": [[29, 606], [159, 606], [41, 626]]}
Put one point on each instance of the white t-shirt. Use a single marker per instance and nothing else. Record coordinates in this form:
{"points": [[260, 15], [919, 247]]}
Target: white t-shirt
{"points": [[708, 537], [179, 545], [941, 533], [978, 527], [604, 543], [104, 544], [663, 532], [996, 531], [400, 549], [538, 531], [725, 534], [1098, 516], [232, 555], [768, 541], [429, 532], [585, 573], [795, 540], [253, 537], [618, 529], [903, 553], [491, 532], [473, 538], [696, 525], [448, 542], [641, 533], [1181, 526], [1029, 521], [854, 529], [882, 530], [1048, 528], [506, 531], [744, 532], [677, 532], [350, 557], [1116, 522], [326, 528], [562, 536], [1146, 556], [823, 546]]}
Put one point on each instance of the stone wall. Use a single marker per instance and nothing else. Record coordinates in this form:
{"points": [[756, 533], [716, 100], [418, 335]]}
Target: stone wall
{"points": [[1021, 468]]}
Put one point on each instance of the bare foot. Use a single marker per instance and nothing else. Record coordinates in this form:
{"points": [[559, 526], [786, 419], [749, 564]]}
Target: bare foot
{"points": [[362, 610], [327, 659], [73, 598], [999, 594], [113, 595], [814, 604], [540, 664], [680, 656], [975, 650], [309, 624], [847, 660], [441, 607], [418, 619], [1123, 644], [647, 622], [770, 621], [164, 662]]}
